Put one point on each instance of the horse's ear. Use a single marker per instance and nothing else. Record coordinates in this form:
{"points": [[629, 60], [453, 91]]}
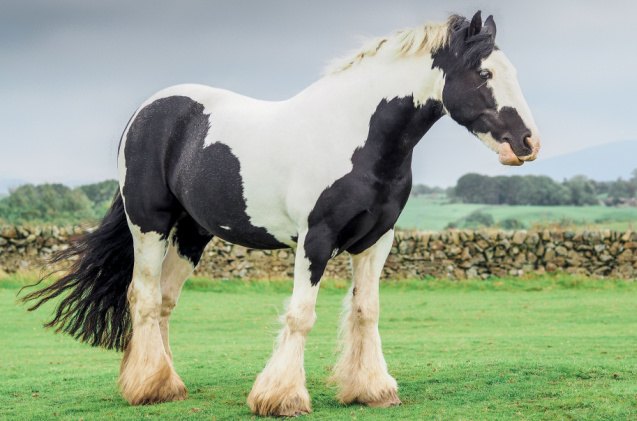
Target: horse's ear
{"points": [[475, 26], [489, 26]]}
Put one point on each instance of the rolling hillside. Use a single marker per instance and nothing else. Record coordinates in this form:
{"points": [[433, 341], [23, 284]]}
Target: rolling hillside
{"points": [[604, 162]]}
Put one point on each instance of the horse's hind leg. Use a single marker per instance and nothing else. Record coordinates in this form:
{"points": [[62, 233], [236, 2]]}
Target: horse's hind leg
{"points": [[361, 371], [187, 242], [146, 373]]}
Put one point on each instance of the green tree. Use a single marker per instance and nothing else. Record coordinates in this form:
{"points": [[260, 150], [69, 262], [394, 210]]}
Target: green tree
{"points": [[621, 189], [100, 192], [514, 190], [48, 203], [101, 195], [581, 191], [476, 188]]}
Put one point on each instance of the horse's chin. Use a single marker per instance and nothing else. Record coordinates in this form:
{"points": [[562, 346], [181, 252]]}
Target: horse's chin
{"points": [[507, 156]]}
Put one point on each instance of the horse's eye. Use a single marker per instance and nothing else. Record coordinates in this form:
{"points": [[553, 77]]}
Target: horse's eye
{"points": [[485, 74]]}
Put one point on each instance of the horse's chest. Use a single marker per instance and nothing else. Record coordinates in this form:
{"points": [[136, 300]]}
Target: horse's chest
{"points": [[355, 212]]}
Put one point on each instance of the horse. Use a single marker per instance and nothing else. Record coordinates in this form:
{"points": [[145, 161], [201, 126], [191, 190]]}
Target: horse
{"points": [[325, 172]]}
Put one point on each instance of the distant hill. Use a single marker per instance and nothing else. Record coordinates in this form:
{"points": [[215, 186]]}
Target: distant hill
{"points": [[603, 163]]}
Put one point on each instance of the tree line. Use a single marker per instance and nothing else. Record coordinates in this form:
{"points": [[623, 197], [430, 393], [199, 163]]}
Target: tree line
{"points": [[60, 204], [538, 190], [57, 203]]}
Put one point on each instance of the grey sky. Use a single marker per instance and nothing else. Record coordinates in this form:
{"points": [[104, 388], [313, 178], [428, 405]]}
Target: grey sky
{"points": [[72, 71]]}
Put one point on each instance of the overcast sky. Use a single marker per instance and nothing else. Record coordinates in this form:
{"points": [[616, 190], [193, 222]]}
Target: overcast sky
{"points": [[73, 71]]}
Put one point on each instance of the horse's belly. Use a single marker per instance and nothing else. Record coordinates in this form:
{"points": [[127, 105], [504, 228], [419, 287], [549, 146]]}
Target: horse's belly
{"points": [[232, 224], [250, 236]]}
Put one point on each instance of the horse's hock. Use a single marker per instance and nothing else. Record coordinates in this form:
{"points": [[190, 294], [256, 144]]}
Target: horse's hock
{"points": [[450, 254]]}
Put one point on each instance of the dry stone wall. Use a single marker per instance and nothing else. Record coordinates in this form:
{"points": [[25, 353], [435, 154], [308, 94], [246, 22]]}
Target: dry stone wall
{"points": [[449, 254]]}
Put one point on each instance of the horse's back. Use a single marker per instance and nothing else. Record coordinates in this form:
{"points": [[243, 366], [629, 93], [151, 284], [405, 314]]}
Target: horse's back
{"points": [[248, 171]]}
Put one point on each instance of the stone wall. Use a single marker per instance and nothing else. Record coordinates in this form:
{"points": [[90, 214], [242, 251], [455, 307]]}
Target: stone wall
{"points": [[452, 254]]}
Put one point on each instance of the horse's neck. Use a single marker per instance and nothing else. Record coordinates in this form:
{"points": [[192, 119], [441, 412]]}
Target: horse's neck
{"points": [[375, 78], [390, 103]]}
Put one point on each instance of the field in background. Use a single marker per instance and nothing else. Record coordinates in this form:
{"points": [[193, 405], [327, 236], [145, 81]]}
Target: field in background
{"points": [[56, 204], [548, 348], [435, 213]]}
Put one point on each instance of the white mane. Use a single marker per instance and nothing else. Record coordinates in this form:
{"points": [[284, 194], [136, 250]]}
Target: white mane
{"points": [[426, 38]]}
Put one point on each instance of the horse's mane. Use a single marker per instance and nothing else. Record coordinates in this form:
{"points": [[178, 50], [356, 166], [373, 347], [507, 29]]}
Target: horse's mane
{"points": [[427, 38]]}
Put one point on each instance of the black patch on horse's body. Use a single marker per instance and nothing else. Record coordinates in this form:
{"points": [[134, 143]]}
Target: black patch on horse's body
{"points": [[169, 172], [211, 190], [190, 239], [355, 211]]}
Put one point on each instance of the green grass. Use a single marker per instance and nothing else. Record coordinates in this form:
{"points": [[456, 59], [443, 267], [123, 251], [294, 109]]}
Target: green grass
{"points": [[548, 348], [425, 213]]}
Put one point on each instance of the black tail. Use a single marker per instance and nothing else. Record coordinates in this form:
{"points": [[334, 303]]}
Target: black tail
{"points": [[94, 308]]}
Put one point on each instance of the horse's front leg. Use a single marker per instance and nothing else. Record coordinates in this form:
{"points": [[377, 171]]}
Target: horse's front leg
{"points": [[361, 371], [280, 388]]}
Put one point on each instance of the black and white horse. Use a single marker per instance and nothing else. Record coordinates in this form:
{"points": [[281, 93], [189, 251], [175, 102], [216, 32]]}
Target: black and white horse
{"points": [[324, 172]]}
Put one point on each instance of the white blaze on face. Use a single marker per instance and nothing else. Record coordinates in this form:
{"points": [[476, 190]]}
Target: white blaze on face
{"points": [[507, 93]]}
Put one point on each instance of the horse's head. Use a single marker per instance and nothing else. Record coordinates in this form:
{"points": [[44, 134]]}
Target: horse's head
{"points": [[481, 91]]}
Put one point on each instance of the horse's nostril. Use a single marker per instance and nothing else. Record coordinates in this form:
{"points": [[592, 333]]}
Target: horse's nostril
{"points": [[527, 141], [507, 138]]}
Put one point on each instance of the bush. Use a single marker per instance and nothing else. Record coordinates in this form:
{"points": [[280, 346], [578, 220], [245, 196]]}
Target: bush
{"points": [[475, 219], [511, 224], [478, 219]]}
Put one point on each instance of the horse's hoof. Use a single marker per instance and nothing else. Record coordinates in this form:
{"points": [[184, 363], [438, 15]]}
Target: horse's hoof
{"points": [[271, 403], [148, 394], [376, 394], [140, 388], [389, 399]]}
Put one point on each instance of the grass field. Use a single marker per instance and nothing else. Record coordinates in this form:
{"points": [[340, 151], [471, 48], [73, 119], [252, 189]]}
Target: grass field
{"points": [[425, 213], [552, 348]]}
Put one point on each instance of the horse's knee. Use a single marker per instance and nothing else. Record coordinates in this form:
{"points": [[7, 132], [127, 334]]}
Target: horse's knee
{"points": [[300, 318], [365, 312]]}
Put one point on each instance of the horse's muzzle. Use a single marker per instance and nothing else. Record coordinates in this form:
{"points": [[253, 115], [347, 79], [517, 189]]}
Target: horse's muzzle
{"points": [[508, 157]]}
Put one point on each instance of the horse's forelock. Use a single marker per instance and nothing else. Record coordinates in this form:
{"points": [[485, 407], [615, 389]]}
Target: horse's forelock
{"points": [[472, 50]]}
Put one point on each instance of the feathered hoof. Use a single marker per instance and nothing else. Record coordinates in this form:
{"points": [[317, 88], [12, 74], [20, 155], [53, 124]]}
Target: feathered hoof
{"points": [[150, 385], [381, 395], [285, 402], [384, 400], [162, 387]]}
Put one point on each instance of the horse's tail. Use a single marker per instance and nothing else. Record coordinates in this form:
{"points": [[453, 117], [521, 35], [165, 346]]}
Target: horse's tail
{"points": [[94, 309]]}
